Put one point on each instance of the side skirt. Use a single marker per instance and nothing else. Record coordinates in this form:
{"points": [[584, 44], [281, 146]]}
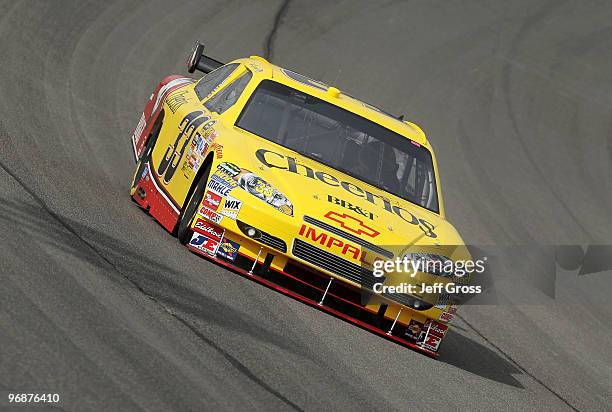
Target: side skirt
{"points": [[151, 197]]}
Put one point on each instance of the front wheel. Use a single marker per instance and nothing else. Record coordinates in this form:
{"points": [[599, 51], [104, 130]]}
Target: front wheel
{"points": [[191, 208]]}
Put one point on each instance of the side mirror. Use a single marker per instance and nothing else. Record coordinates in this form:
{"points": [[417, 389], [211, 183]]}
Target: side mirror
{"points": [[199, 61]]}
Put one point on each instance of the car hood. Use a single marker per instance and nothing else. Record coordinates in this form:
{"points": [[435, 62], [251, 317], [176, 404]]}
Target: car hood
{"points": [[327, 195]]}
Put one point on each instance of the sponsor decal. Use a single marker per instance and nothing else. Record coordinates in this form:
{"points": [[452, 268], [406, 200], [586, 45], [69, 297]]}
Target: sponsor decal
{"points": [[231, 207], [413, 331], [145, 172], [218, 150], [199, 145], [437, 329], [188, 166], [210, 134], [263, 190], [446, 317], [334, 244], [228, 249], [212, 200], [431, 342], [193, 160], [220, 185], [211, 215], [230, 168], [347, 205], [449, 314], [176, 99], [205, 244], [305, 80], [197, 149], [138, 131], [207, 229], [432, 335], [273, 160], [352, 224], [229, 178], [228, 174], [166, 87], [255, 67]]}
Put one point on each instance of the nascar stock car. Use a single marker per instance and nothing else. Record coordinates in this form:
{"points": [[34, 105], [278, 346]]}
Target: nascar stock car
{"points": [[300, 187]]}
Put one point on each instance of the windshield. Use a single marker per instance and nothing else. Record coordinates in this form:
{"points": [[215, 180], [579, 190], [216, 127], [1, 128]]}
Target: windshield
{"points": [[342, 140]]}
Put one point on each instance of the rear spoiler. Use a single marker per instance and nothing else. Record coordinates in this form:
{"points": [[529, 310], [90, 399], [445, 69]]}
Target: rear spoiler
{"points": [[198, 61]]}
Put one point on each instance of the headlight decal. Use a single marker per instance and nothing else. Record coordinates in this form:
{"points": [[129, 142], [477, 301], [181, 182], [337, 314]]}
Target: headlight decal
{"points": [[228, 176], [431, 263]]}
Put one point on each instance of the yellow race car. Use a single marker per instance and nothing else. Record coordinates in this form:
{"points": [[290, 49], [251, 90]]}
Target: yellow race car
{"points": [[303, 188]]}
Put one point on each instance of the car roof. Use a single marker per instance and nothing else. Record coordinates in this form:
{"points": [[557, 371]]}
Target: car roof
{"points": [[266, 70]]}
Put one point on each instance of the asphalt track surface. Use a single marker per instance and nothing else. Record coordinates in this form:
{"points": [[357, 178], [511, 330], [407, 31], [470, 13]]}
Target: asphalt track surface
{"points": [[100, 305]]}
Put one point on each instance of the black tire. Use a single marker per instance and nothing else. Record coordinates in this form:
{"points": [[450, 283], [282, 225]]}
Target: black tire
{"points": [[146, 153], [191, 207]]}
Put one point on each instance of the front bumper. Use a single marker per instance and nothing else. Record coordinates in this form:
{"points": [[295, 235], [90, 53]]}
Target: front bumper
{"points": [[292, 277]]}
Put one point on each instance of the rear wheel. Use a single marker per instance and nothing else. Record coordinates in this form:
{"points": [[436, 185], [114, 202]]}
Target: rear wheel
{"points": [[146, 153], [191, 207]]}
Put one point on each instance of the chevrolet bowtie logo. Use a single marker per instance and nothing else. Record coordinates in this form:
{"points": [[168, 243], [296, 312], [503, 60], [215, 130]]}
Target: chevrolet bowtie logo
{"points": [[352, 224]]}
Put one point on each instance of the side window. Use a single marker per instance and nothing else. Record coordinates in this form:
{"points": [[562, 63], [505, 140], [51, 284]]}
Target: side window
{"points": [[229, 95], [212, 80]]}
